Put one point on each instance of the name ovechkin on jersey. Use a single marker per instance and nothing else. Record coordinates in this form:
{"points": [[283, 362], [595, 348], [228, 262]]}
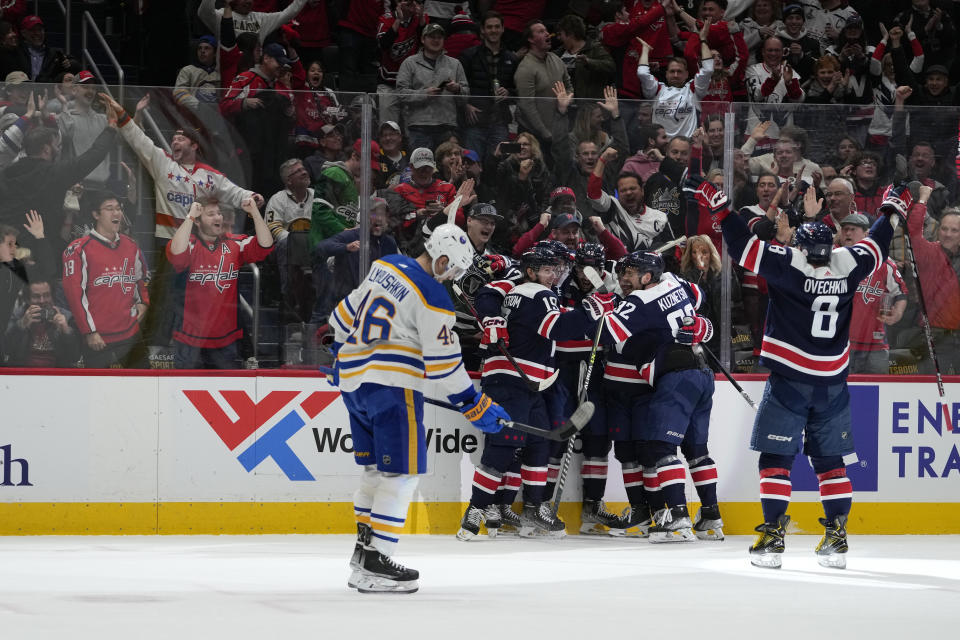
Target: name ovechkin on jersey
{"points": [[825, 287]]}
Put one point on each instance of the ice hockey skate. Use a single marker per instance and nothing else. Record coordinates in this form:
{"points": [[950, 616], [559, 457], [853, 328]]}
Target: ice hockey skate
{"points": [[708, 525], [767, 550], [470, 524], [381, 574], [364, 532], [539, 520], [595, 520], [636, 522], [509, 521], [832, 550], [672, 525]]}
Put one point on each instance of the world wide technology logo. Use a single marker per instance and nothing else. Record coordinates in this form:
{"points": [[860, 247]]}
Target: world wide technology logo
{"points": [[253, 415]]}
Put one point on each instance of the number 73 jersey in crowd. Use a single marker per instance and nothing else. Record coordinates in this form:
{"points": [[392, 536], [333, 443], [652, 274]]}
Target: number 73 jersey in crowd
{"points": [[806, 337], [396, 329]]}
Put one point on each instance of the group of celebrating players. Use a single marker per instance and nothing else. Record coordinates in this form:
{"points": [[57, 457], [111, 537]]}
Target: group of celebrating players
{"points": [[652, 395]]}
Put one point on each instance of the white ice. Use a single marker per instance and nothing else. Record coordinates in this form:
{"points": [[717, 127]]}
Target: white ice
{"points": [[289, 586]]}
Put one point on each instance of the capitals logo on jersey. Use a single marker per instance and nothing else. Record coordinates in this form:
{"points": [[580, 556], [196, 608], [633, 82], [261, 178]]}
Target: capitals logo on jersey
{"points": [[118, 277], [222, 280]]}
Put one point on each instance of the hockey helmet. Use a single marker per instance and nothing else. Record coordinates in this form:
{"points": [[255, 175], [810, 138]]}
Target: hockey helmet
{"points": [[544, 253], [644, 262], [591, 254], [451, 241], [815, 240]]}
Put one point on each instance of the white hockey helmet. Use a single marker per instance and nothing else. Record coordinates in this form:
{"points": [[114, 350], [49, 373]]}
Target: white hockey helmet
{"points": [[451, 241]]}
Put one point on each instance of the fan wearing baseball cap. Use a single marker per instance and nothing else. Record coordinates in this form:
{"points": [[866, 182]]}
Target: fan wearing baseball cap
{"points": [[41, 63], [432, 87], [393, 157], [426, 196]]}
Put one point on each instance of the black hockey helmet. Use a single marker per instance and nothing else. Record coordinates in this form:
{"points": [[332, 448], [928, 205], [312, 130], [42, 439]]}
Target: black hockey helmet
{"points": [[815, 240], [591, 254], [545, 252], [643, 261]]}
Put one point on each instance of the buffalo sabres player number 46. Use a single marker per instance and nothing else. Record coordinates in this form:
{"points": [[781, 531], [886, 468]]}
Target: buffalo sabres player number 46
{"points": [[393, 333]]}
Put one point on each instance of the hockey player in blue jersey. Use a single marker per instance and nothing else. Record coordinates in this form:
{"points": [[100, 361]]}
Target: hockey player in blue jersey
{"points": [[393, 333], [572, 355], [529, 317], [806, 404], [653, 331]]}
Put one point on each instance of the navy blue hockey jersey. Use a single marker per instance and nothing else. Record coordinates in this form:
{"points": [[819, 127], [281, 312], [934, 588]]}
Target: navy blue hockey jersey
{"points": [[806, 336], [535, 322], [643, 327]]}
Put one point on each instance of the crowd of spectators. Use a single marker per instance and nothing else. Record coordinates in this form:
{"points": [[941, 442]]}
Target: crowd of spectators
{"points": [[581, 120]]}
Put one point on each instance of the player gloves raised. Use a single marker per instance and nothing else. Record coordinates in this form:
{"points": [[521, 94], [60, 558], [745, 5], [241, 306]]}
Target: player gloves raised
{"points": [[713, 200], [896, 200], [484, 413], [599, 305], [494, 330], [694, 331]]}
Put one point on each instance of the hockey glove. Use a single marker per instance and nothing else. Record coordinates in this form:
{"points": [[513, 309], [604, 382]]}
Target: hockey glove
{"points": [[713, 200], [896, 200], [599, 305], [484, 413], [695, 330], [494, 330], [496, 263]]}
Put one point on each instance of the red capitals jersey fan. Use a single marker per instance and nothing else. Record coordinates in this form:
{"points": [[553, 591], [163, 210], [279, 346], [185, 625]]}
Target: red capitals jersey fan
{"points": [[103, 281], [867, 331], [210, 303]]}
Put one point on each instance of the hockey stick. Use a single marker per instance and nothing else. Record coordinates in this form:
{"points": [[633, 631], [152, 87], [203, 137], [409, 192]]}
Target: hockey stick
{"points": [[533, 386], [567, 430], [671, 244], [728, 375], [699, 348], [928, 334], [597, 283]]}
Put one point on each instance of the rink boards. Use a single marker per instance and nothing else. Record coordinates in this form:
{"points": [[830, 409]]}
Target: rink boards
{"points": [[241, 453]]}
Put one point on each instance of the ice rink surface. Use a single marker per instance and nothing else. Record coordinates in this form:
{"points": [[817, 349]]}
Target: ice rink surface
{"points": [[228, 587]]}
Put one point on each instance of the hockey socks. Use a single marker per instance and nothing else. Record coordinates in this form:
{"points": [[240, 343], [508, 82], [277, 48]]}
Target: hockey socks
{"points": [[553, 472], [593, 471], [633, 482], [651, 488], [775, 487], [389, 512], [672, 476], [703, 472], [534, 483], [509, 486], [836, 492], [486, 485]]}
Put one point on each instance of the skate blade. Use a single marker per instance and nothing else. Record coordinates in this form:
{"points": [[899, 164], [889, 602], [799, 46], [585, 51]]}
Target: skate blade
{"points": [[533, 532], [353, 579], [766, 560], [492, 532], [709, 534], [465, 535], [680, 535], [508, 531], [833, 560], [594, 529], [377, 584], [639, 531]]}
